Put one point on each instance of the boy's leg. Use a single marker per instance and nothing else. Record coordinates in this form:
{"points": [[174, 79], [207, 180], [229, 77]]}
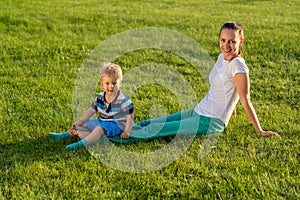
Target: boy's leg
{"points": [[82, 131], [91, 138], [83, 134], [59, 136], [81, 143], [65, 134], [95, 135], [82, 128]]}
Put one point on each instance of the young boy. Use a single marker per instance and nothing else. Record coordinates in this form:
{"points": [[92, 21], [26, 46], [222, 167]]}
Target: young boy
{"points": [[116, 112]]}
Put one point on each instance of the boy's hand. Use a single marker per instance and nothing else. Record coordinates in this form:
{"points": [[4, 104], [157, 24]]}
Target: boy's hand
{"points": [[77, 123], [72, 130], [74, 125], [124, 135]]}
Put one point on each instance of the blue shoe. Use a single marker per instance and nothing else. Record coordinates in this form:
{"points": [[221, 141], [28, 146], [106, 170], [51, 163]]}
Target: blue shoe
{"points": [[59, 136]]}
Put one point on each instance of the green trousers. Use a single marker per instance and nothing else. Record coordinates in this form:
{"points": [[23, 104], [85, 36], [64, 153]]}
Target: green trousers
{"points": [[184, 123]]}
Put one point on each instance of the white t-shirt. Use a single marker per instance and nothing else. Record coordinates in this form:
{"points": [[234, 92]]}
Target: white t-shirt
{"points": [[222, 96]]}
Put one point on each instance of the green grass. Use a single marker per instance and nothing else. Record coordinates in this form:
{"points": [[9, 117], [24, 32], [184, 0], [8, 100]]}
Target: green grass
{"points": [[42, 47]]}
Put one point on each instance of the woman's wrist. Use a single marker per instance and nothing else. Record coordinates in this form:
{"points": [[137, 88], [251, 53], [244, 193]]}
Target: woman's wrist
{"points": [[260, 131]]}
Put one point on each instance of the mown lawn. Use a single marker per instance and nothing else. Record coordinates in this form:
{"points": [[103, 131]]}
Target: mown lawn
{"points": [[43, 46]]}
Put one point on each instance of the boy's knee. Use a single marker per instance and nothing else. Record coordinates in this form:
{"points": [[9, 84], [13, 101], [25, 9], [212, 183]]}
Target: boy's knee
{"points": [[83, 125], [99, 129]]}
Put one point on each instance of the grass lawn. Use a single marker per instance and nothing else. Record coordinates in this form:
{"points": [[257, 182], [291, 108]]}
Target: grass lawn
{"points": [[43, 45]]}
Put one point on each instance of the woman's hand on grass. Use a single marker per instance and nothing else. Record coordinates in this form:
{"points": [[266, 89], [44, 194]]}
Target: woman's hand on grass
{"points": [[269, 133]]}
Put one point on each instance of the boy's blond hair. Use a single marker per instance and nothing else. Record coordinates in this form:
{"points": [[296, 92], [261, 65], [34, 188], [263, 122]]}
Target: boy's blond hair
{"points": [[111, 70]]}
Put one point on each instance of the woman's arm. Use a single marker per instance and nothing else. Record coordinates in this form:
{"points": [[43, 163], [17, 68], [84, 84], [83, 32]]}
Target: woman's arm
{"points": [[242, 85], [129, 123]]}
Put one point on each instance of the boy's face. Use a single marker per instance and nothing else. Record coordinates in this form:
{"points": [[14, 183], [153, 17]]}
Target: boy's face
{"points": [[110, 85]]}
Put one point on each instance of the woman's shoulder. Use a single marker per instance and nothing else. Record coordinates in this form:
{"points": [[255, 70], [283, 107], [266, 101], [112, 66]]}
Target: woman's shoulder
{"points": [[220, 56], [239, 64], [239, 60]]}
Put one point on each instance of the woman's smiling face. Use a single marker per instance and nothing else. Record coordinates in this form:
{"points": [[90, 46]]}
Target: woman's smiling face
{"points": [[230, 42]]}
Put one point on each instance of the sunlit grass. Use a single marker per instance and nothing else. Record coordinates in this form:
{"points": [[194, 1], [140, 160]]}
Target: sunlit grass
{"points": [[43, 45]]}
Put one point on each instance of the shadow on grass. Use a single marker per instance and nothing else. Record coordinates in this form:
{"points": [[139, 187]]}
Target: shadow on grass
{"points": [[46, 148], [38, 149]]}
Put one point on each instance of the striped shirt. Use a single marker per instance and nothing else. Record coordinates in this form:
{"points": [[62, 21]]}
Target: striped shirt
{"points": [[117, 110]]}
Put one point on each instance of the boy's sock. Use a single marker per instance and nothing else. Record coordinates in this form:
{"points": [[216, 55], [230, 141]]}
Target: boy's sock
{"points": [[59, 136], [81, 143]]}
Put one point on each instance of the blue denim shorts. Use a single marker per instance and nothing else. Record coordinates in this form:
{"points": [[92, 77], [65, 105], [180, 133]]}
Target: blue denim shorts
{"points": [[111, 128]]}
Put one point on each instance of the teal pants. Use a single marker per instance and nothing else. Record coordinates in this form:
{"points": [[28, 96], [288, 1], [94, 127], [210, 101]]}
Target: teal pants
{"points": [[184, 123]]}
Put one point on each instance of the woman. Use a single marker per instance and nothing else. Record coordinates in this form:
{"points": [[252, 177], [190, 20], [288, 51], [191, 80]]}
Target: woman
{"points": [[229, 82]]}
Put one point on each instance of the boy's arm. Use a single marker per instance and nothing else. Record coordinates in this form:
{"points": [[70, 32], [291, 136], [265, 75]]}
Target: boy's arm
{"points": [[88, 114], [129, 123]]}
